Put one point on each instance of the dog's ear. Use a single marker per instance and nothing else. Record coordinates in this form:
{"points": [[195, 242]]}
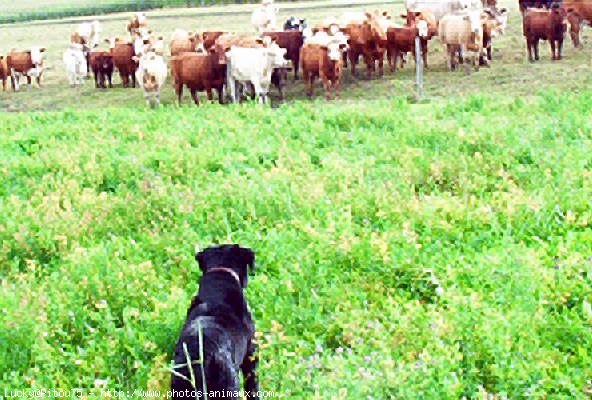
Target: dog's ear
{"points": [[249, 258], [200, 258]]}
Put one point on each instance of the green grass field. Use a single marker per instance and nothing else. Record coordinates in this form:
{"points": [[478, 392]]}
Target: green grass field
{"points": [[438, 250], [30, 10]]}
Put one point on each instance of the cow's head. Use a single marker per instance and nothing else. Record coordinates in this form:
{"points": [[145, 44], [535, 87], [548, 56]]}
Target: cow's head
{"points": [[278, 56], [106, 61], [37, 55], [334, 51], [377, 31]]}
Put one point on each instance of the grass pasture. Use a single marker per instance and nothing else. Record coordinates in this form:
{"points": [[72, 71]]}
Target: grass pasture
{"points": [[439, 250]]}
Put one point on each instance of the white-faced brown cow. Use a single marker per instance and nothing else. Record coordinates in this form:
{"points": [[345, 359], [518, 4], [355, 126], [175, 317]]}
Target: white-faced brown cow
{"points": [[27, 63]]}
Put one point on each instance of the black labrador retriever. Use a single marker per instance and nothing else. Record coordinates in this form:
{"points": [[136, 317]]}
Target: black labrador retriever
{"points": [[219, 327]]}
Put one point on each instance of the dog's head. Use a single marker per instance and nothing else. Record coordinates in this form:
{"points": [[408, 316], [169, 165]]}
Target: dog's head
{"points": [[239, 259]]}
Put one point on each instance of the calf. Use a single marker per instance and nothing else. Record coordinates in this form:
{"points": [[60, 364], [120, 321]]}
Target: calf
{"points": [[292, 41], [462, 34], [4, 72], [325, 62], [369, 40], [101, 63], [400, 41], [123, 59], [28, 63], [254, 66], [199, 72], [151, 73], [76, 64], [541, 24], [493, 26]]}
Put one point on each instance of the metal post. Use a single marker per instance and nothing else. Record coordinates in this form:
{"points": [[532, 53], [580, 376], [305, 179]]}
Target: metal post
{"points": [[418, 68]]}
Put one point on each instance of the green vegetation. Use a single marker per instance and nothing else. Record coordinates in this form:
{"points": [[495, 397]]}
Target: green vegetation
{"points": [[52, 10], [403, 251]]}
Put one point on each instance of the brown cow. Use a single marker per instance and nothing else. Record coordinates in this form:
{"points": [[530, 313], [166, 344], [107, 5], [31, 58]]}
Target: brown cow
{"points": [[185, 42], [199, 72], [400, 40], [123, 55], [209, 38], [542, 24], [28, 63], [578, 12], [101, 63], [137, 22], [292, 41], [325, 62], [4, 73], [369, 40]]}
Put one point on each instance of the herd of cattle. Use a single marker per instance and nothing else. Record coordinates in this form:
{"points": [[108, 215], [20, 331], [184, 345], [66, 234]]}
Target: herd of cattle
{"points": [[216, 60]]}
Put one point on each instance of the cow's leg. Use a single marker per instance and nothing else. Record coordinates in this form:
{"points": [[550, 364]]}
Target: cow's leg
{"points": [[345, 56], [536, 49], [552, 44], [529, 47], [231, 84], [369, 61], [220, 90], [389, 57], [97, 80], [395, 57], [4, 84], [258, 89], [559, 47], [133, 79], [194, 95], [13, 80], [110, 76], [209, 93], [424, 52], [353, 59], [381, 63], [308, 79], [326, 86], [179, 91], [449, 52], [296, 65]]}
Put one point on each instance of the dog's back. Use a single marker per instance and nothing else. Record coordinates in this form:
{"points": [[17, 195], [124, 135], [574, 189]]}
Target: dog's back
{"points": [[220, 369]]}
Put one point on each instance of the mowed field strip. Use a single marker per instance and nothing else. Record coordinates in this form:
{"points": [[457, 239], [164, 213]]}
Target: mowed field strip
{"points": [[439, 249], [510, 70]]}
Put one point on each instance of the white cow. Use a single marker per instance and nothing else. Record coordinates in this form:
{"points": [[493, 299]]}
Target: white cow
{"points": [[264, 18], [441, 8], [152, 73], [89, 32], [75, 62], [462, 32], [255, 66]]}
